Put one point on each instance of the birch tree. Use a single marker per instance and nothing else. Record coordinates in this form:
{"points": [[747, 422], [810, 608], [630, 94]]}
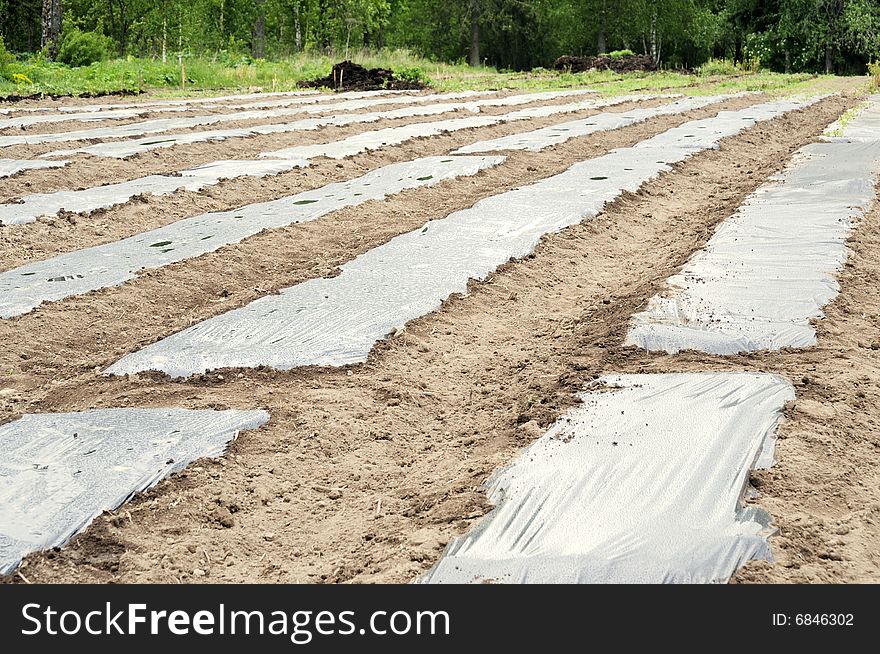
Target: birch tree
{"points": [[51, 35]]}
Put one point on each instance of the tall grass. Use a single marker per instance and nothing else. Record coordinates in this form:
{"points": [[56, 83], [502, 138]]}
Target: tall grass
{"points": [[874, 72], [192, 74], [719, 67], [224, 71]]}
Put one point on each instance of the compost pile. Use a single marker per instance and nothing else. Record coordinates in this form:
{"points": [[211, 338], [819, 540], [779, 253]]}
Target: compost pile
{"points": [[349, 76], [623, 64]]}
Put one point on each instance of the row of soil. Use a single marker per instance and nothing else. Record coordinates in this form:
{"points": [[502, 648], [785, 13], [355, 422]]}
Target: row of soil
{"points": [[364, 473], [51, 236]]}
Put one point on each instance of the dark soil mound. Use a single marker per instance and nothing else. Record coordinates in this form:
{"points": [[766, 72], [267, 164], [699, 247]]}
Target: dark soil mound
{"points": [[624, 64], [349, 76]]}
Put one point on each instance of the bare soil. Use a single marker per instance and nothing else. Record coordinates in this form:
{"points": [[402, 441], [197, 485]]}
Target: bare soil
{"points": [[51, 236], [622, 64], [364, 473], [349, 76], [237, 146]]}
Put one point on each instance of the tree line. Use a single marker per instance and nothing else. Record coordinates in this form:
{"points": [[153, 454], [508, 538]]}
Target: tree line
{"points": [[786, 35]]}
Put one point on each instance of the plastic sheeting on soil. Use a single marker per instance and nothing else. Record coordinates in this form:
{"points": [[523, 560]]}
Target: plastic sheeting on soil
{"points": [[60, 471], [555, 134], [312, 97], [770, 268], [639, 484], [48, 204], [87, 117], [9, 167], [80, 271], [380, 138], [862, 125], [89, 108], [337, 321], [166, 124], [377, 139], [130, 148], [103, 197], [401, 95], [342, 102]]}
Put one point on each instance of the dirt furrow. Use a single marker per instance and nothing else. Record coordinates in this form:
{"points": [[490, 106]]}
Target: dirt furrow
{"points": [[94, 120], [48, 237], [85, 171], [364, 473], [253, 143], [154, 113], [77, 334]]}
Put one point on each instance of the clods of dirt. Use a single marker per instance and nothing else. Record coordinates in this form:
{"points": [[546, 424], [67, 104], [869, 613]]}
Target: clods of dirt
{"points": [[622, 64], [349, 76]]}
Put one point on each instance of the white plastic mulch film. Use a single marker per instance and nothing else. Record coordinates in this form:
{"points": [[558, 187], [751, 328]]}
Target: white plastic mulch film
{"points": [[32, 207], [80, 271], [866, 128], [194, 103], [60, 471], [129, 148], [278, 98], [122, 149], [336, 321], [113, 114], [380, 138], [770, 268], [9, 167], [555, 134], [166, 124], [641, 483]]}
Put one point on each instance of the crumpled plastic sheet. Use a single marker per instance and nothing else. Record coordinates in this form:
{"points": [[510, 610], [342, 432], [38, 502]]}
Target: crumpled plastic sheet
{"points": [[59, 471], [377, 139], [165, 124], [9, 167], [642, 483], [48, 204], [101, 197], [81, 271], [770, 268], [556, 134], [337, 321]]}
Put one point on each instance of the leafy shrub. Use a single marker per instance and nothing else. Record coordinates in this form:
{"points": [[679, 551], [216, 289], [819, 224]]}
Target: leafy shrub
{"points": [[21, 78], [6, 59], [414, 74], [621, 53], [719, 67], [80, 48], [234, 59]]}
